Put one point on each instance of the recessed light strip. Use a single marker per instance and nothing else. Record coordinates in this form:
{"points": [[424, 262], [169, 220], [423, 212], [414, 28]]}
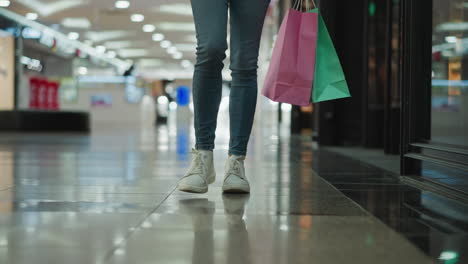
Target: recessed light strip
{"points": [[87, 49], [149, 28], [5, 3], [137, 18], [122, 4]]}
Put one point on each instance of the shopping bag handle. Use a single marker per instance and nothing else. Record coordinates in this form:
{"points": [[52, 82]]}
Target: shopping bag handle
{"points": [[298, 5]]}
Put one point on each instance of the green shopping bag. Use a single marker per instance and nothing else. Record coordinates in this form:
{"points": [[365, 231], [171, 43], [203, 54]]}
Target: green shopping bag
{"points": [[329, 79]]}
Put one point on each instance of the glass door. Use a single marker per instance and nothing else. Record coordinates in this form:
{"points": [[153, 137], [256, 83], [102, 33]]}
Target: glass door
{"points": [[449, 113], [434, 92]]}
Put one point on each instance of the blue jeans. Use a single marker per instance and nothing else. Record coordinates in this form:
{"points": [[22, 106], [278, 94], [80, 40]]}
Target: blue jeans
{"points": [[246, 23]]}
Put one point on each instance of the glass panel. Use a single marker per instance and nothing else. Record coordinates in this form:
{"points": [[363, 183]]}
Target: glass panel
{"points": [[450, 72], [377, 71]]}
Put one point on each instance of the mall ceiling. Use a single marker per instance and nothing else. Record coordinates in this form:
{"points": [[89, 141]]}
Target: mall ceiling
{"points": [[136, 32]]}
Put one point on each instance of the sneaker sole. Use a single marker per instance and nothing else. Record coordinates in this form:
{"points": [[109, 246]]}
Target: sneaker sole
{"points": [[197, 189], [192, 189], [236, 189]]}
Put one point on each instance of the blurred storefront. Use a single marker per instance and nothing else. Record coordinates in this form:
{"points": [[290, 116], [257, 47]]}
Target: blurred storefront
{"points": [[103, 71], [7, 71], [404, 63], [435, 146], [42, 72]]}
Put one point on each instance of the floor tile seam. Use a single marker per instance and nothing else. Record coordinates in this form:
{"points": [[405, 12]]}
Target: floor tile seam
{"points": [[357, 159], [109, 254], [338, 191], [378, 220]]}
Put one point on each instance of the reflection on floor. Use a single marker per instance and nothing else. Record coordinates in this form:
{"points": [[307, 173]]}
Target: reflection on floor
{"points": [[436, 225], [372, 156], [110, 198], [451, 177]]}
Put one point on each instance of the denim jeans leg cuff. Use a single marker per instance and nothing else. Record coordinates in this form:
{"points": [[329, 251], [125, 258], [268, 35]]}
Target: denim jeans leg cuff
{"points": [[238, 153], [204, 147]]}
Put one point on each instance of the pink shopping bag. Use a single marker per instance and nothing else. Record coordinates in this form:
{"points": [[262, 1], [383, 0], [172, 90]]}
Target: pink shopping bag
{"points": [[290, 74]]}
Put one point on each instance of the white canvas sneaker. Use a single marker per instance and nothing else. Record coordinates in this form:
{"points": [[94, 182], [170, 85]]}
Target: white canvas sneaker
{"points": [[200, 174], [235, 180]]}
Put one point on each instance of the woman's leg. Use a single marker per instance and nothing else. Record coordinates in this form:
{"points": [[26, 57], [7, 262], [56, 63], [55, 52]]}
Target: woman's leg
{"points": [[247, 17], [210, 18]]}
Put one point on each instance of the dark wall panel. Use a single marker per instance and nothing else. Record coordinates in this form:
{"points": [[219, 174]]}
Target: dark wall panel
{"points": [[340, 121]]}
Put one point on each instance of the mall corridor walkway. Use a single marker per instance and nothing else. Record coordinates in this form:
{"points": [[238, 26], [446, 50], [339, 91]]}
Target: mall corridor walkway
{"points": [[110, 197]]}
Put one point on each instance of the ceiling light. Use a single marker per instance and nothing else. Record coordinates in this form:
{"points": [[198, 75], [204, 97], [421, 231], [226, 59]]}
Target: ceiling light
{"points": [[4, 3], [451, 39], [32, 16], [177, 55], [171, 50], [179, 9], [101, 36], [137, 17], [82, 70], [47, 8], [158, 37], [185, 46], [73, 35], [118, 44], [78, 22], [191, 38], [165, 44], [185, 63], [145, 63], [122, 4], [31, 33], [149, 28], [100, 49], [177, 26], [111, 54], [127, 53]]}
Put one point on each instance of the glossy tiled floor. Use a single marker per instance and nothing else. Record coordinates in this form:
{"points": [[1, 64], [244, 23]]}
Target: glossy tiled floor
{"points": [[436, 225], [110, 197]]}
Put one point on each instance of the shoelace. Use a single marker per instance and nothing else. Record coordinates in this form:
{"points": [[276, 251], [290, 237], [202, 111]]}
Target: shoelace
{"points": [[234, 168], [197, 164]]}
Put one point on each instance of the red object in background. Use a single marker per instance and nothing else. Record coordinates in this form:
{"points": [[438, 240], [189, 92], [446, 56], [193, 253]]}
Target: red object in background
{"points": [[52, 95], [437, 56], [33, 93], [43, 94]]}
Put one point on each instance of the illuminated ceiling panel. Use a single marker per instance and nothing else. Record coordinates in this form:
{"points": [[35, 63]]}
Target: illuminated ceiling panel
{"points": [[48, 8], [76, 22], [178, 9], [176, 26], [99, 36]]}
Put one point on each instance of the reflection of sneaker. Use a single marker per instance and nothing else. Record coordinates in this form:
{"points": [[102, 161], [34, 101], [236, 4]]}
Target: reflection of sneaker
{"points": [[200, 210], [235, 203], [235, 180], [234, 207], [197, 206], [200, 174]]}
